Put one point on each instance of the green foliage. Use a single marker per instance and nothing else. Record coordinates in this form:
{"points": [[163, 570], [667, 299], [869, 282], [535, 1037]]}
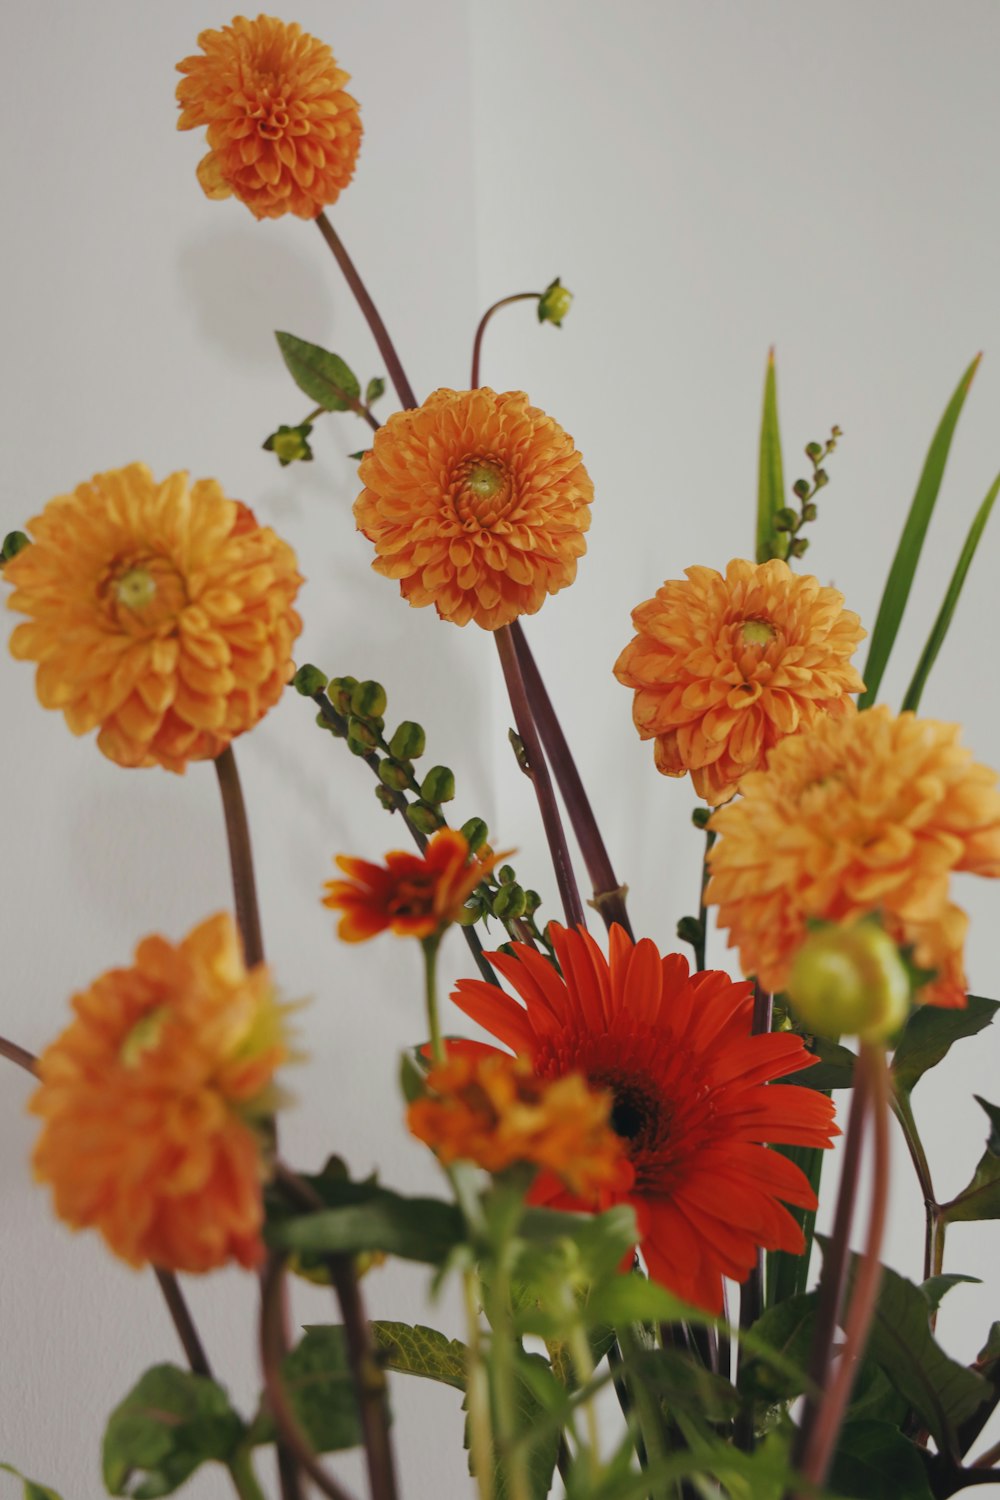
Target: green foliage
{"points": [[290, 444], [536, 1391], [786, 1275], [981, 1199], [317, 1380], [413, 1349], [13, 543], [929, 1034], [786, 1329], [940, 627], [168, 1425], [375, 390], [309, 680], [835, 1069], [323, 376], [32, 1489], [904, 564], [936, 1287], [770, 473], [874, 1458], [367, 1217]]}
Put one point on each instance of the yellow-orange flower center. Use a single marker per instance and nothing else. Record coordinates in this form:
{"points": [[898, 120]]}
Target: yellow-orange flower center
{"points": [[482, 492], [142, 594], [758, 633]]}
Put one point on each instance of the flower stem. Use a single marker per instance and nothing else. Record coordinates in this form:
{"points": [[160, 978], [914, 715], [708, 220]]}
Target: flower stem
{"points": [[504, 1377], [477, 1388], [538, 771], [934, 1226], [20, 1055], [609, 893], [379, 331], [487, 315], [583, 1365], [244, 1479], [701, 944], [823, 1437], [240, 858], [430, 947], [194, 1350]]}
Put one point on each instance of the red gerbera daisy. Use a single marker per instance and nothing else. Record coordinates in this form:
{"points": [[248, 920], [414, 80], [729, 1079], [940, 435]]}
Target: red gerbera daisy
{"points": [[691, 1090]]}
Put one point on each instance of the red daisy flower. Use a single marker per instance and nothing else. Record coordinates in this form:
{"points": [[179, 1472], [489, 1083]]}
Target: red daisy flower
{"points": [[691, 1090]]}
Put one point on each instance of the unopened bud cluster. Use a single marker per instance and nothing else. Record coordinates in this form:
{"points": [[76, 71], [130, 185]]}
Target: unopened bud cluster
{"points": [[789, 522]]}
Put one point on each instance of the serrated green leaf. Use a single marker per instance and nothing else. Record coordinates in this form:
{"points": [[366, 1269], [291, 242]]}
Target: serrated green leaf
{"points": [[421, 1229], [32, 1489], [168, 1425], [981, 1199], [541, 1437], [318, 1383], [770, 471], [929, 1034], [935, 1287], [904, 564], [874, 1458], [940, 627], [413, 1349], [324, 377]]}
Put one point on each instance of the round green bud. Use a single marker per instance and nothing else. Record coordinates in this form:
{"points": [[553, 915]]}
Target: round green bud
{"points": [[691, 930], [327, 724], [475, 833], [408, 742], [309, 680], [393, 776], [368, 700], [509, 903], [801, 488], [820, 478], [13, 543], [785, 519], [532, 901], [470, 914], [438, 785], [701, 815], [506, 875], [339, 691], [423, 818], [360, 737], [809, 513], [814, 450], [554, 303], [800, 545], [385, 796], [850, 981]]}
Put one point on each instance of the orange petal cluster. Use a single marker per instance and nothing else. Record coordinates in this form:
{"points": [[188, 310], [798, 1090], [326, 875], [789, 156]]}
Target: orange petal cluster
{"points": [[284, 136], [868, 813], [692, 1096], [160, 613], [414, 895], [149, 1099], [725, 667], [477, 503], [490, 1108]]}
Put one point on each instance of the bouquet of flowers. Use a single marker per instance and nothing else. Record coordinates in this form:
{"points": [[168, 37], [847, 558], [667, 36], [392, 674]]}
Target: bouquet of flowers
{"points": [[629, 1152]]}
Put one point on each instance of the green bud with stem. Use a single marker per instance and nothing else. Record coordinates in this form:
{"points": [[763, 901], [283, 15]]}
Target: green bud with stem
{"points": [[408, 742], [475, 833], [438, 785], [368, 700], [309, 680]]}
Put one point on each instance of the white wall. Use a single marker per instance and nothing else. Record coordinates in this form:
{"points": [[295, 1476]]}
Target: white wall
{"points": [[709, 179]]}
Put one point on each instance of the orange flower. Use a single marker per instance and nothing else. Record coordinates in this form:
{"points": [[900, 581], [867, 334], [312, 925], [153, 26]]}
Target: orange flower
{"points": [[489, 1108], [724, 668], [284, 136], [691, 1097], [160, 612], [867, 813], [414, 895], [149, 1099], [477, 503]]}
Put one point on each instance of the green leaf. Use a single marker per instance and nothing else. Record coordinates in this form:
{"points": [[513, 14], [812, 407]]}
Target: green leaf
{"points": [[168, 1425], [323, 376], [421, 1229], [940, 627], [991, 1349], [32, 1490], [786, 1274], [320, 1389], [935, 1287], [770, 473], [874, 1398], [944, 1392], [835, 1069], [413, 1349], [874, 1458], [929, 1034], [787, 1329], [533, 1376], [981, 1199], [684, 1384], [375, 390], [904, 564]]}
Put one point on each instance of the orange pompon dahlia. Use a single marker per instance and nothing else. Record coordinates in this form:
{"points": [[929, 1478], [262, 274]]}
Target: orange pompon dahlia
{"points": [[477, 503], [490, 1108], [868, 813], [724, 668], [160, 613], [415, 895], [149, 1100], [691, 1097], [284, 136]]}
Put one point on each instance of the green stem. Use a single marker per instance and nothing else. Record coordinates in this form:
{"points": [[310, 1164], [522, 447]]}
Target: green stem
{"points": [[649, 1420], [583, 1365], [430, 947], [934, 1225], [504, 1377], [700, 945], [477, 1390], [244, 1479]]}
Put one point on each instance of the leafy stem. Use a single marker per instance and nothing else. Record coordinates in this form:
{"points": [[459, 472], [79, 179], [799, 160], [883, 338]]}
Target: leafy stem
{"points": [[934, 1223]]}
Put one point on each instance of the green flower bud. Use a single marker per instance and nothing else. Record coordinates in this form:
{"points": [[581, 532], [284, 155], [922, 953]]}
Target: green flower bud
{"points": [[509, 903], [360, 737], [532, 901], [309, 680], [814, 450], [470, 914], [701, 815], [375, 390], [850, 980], [385, 796], [554, 303], [691, 930], [339, 691], [438, 785], [423, 818], [506, 875], [408, 742], [785, 519], [475, 833], [820, 478], [809, 513], [800, 545], [800, 488], [368, 700], [13, 543], [328, 724], [290, 444]]}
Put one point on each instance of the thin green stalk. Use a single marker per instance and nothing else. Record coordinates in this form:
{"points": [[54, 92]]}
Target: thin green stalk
{"points": [[477, 1390], [647, 1414], [583, 1364], [934, 1225], [430, 947], [700, 945], [504, 1381], [244, 1479]]}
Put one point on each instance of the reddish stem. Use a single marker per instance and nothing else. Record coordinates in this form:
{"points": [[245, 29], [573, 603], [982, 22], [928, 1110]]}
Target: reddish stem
{"points": [[487, 315], [379, 331]]}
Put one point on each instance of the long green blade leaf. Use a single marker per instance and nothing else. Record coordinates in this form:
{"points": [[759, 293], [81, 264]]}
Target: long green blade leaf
{"points": [[940, 627], [770, 475], [904, 564]]}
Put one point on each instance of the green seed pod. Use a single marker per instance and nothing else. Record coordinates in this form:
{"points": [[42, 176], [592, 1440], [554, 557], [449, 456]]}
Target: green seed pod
{"points": [[13, 543], [438, 785], [475, 833], [385, 796], [509, 903], [506, 875], [408, 742], [814, 450], [801, 488], [393, 776], [691, 930], [532, 901], [423, 818], [309, 680], [785, 519], [339, 691], [809, 513], [701, 815], [360, 737], [368, 700], [800, 545]]}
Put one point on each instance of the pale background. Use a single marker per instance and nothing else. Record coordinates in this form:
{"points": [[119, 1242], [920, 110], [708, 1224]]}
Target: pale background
{"points": [[709, 179]]}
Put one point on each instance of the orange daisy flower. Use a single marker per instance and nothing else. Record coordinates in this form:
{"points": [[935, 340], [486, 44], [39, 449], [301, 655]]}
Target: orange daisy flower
{"points": [[414, 895], [160, 613], [724, 668], [869, 813], [477, 503], [284, 136], [691, 1096], [491, 1109], [149, 1099]]}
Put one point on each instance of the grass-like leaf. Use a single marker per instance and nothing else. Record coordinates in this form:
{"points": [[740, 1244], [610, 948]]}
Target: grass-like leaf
{"points": [[904, 564], [940, 627], [770, 472]]}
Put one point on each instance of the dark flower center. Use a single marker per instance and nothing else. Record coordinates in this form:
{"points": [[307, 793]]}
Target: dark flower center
{"points": [[627, 1117]]}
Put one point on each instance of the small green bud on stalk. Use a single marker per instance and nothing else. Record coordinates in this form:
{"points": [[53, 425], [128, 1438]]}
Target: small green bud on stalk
{"points": [[385, 796], [393, 776], [532, 901], [554, 303], [408, 742], [438, 785], [850, 981], [475, 833], [785, 519], [290, 444], [801, 488], [368, 700], [509, 903], [470, 914], [423, 818], [339, 691], [506, 875], [814, 450], [701, 815], [325, 723], [360, 737], [800, 546], [809, 513], [13, 543], [691, 930], [309, 680]]}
